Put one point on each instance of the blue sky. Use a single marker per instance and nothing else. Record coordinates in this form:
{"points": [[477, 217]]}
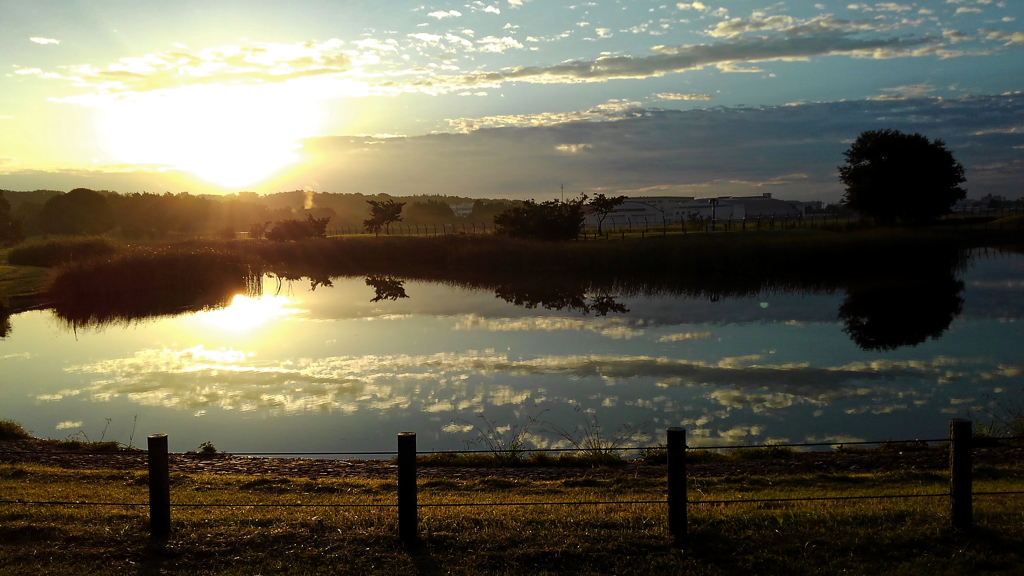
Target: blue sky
{"points": [[500, 98]]}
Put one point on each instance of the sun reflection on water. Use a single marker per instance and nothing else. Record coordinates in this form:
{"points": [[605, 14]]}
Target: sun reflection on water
{"points": [[245, 313]]}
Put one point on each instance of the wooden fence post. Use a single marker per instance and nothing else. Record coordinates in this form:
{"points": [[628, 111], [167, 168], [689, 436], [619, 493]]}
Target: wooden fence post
{"points": [[407, 513], [960, 485], [676, 444], [159, 487]]}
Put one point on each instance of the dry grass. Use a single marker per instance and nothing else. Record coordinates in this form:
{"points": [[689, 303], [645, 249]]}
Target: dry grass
{"points": [[853, 537]]}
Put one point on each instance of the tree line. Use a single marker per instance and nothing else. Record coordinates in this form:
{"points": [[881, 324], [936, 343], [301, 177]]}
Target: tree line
{"points": [[889, 176], [144, 215]]}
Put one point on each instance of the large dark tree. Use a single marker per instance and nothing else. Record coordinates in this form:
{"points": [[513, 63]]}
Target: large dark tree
{"points": [[10, 228], [81, 211], [891, 176], [382, 215]]}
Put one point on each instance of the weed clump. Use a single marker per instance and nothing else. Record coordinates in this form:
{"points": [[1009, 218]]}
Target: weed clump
{"points": [[50, 253], [11, 430]]}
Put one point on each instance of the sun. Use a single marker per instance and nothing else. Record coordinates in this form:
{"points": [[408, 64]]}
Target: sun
{"points": [[228, 135]]}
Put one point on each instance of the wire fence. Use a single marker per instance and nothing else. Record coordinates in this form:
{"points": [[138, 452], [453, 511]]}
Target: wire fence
{"points": [[663, 224], [961, 494]]}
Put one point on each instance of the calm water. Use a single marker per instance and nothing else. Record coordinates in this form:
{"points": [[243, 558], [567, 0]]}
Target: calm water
{"points": [[331, 369]]}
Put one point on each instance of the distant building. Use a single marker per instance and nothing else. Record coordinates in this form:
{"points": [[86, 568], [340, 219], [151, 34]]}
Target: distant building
{"points": [[655, 210], [462, 209]]}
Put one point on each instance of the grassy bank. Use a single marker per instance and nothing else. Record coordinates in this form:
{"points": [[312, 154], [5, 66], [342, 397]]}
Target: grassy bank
{"points": [[720, 263], [854, 537]]}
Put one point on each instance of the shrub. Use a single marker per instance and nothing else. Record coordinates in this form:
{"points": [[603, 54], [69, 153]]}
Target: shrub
{"points": [[50, 253], [552, 220], [299, 230], [11, 430]]}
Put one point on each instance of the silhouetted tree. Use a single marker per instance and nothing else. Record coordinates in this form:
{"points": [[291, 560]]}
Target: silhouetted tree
{"points": [[81, 211], [603, 205], [382, 215], [551, 220], [10, 228], [890, 175]]}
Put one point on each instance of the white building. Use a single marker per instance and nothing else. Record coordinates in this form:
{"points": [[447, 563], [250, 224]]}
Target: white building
{"points": [[658, 210], [462, 209]]}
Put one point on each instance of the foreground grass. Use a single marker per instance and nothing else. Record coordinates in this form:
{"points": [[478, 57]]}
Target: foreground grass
{"points": [[856, 537]]}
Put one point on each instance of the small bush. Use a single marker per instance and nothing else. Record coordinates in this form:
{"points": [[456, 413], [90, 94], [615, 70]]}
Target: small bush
{"points": [[11, 430], [299, 230], [207, 448], [50, 253]]}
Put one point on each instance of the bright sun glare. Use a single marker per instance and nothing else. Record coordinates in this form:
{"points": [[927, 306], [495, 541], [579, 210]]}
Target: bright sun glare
{"points": [[246, 313], [228, 135]]}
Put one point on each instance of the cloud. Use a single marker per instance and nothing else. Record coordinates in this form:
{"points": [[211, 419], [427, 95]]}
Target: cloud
{"points": [[494, 44], [680, 336], [905, 92], [39, 40], [967, 10], [1010, 38], [637, 150], [891, 7], [615, 328], [256, 63], [955, 36], [442, 14], [234, 379], [671, 59], [678, 96]]}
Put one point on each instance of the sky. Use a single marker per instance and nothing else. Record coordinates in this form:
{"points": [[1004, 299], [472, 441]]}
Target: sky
{"points": [[503, 98]]}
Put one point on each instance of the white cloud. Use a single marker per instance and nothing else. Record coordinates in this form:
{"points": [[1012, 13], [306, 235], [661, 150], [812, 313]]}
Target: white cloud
{"points": [[442, 14], [68, 424], [494, 44], [678, 96], [891, 7], [967, 10], [39, 40]]}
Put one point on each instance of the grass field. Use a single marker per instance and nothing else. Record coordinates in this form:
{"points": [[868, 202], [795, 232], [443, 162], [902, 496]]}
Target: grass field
{"points": [[850, 537]]}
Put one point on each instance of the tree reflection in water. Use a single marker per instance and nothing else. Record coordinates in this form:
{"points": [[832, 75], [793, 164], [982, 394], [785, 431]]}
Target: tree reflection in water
{"points": [[387, 287], [553, 296], [5, 325], [901, 313]]}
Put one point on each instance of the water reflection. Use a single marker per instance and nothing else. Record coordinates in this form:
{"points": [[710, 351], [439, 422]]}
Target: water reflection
{"points": [[387, 288], [901, 314], [5, 324], [558, 296], [903, 308]]}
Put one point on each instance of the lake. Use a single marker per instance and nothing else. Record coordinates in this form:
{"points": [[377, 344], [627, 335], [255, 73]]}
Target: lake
{"points": [[348, 365]]}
